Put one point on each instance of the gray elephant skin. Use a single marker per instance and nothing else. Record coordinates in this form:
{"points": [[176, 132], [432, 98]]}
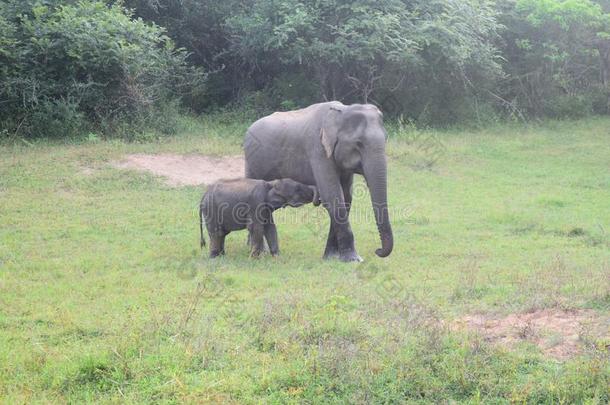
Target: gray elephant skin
{"points": [[325, 145], [231, 205]]}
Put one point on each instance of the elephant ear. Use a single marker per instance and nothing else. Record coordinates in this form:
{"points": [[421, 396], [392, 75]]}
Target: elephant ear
{"points": [[272, 184], [330, 128], [273, 196]]}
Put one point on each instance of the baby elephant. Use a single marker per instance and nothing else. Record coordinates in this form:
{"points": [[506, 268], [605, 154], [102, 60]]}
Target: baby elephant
{"points": [[231, 205]]}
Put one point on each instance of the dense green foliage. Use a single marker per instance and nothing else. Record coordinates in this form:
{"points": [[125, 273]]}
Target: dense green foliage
{"points": [[66, 66], [65, 63], [558, 56], [438, 61]]}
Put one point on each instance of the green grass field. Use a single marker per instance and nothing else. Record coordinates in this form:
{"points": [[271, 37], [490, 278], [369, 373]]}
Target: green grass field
{"points": [[105, 296]]}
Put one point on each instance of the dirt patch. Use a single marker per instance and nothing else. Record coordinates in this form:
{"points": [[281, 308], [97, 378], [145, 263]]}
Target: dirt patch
{"points": [[185, 170], [558, 333]]}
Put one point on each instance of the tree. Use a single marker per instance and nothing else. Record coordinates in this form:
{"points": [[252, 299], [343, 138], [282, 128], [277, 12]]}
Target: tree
{"points": [[66, 65], [340, 42], [355, 49], [558, 55]]}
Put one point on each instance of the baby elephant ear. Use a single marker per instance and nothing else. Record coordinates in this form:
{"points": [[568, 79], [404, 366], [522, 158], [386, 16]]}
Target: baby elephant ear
{"points": [[316, 196], [277, 189], [273, 184]]}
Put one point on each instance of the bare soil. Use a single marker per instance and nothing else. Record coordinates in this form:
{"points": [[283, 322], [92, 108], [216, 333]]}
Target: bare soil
{"points": [[185, 170], [558, 333]]}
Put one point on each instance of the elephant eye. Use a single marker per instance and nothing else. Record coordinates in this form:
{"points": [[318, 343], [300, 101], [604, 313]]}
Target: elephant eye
{"points": [[359, 144]]}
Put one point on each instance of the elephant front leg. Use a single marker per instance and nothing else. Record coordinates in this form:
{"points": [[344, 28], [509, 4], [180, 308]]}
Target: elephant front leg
{"points": [[257, 246], [341, 239], [341, 234], [332, 245], [271, 235], [332, 250]]}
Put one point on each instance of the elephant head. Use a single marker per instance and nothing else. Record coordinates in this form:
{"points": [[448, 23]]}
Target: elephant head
{"points": [[354, 138], [289, 193]]}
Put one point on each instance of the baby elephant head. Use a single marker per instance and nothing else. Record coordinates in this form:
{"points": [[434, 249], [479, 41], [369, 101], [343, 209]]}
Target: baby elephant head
{"points": [[287, 192]]}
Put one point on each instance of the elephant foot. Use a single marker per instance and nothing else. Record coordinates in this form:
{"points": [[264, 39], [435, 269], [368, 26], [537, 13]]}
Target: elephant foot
{"points": [[351, 257], [331, 254], [347, 257], [216, 254], [255, 254]]}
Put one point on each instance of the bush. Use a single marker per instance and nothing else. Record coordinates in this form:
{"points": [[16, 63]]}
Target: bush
{"points": [[569, 106], [67, 66], [56, 118]]}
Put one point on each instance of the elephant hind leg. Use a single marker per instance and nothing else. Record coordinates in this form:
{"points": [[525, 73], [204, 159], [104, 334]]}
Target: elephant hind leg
{"points": [[217, 244]]}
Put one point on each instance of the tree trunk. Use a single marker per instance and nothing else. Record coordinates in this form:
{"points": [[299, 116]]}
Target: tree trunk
{"points": [[604, 67]]}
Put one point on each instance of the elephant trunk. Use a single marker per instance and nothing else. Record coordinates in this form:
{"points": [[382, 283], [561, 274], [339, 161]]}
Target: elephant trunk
{"points": [[375, 173]]}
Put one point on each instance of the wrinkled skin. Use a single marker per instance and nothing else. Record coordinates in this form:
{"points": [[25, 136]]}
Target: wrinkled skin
{"points": [[324, 145], [231, 205]]}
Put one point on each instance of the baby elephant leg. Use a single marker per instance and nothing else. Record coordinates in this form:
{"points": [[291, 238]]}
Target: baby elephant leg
{"points": [[249, 241], [217, 244], [257, 243], [271, 236]]}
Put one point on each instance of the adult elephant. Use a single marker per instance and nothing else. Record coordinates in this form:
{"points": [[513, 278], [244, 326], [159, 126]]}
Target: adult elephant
{"points": [[324, 145]]}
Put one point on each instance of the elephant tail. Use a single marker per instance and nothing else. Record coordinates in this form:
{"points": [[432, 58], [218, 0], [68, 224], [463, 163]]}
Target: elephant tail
{"points": [[201, 238]]}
